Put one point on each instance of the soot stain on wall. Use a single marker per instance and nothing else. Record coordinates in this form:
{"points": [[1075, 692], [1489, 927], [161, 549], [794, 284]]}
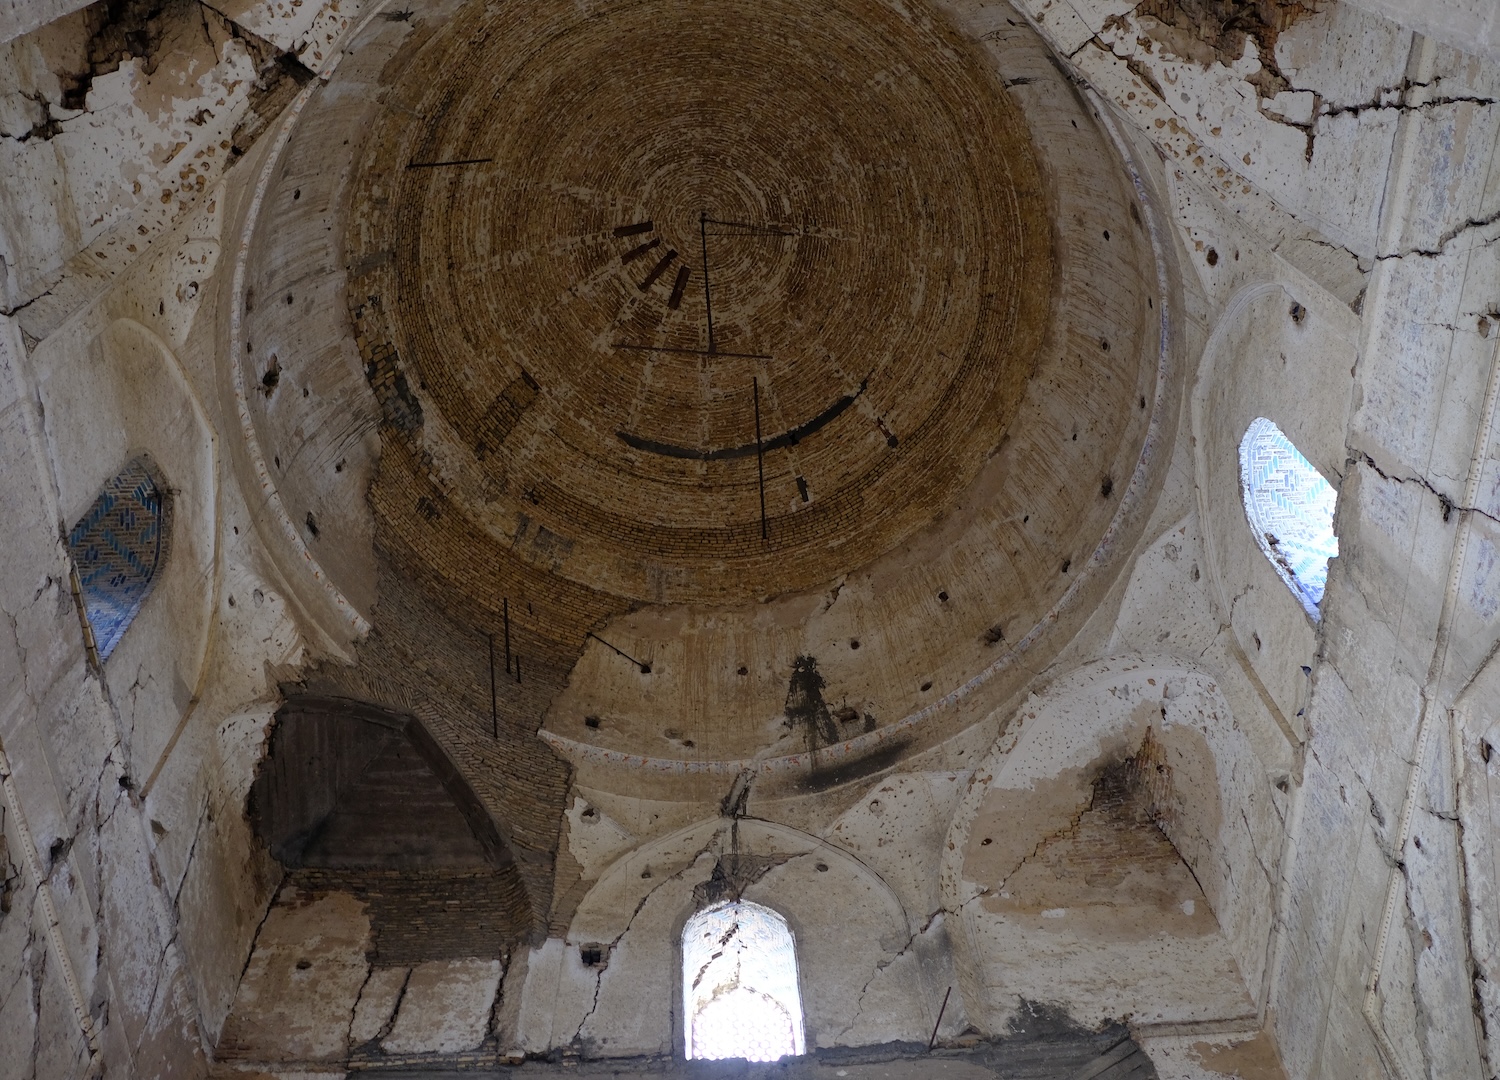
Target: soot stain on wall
{"points": [[805, 708]]}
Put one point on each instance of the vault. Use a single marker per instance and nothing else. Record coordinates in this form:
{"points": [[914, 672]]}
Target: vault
{"points": [[359, 800], [350, 785]]}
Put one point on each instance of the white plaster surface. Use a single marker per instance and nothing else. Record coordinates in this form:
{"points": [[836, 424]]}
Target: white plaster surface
{"points": [[300, 988], [446, 1007], [375, 1011]]}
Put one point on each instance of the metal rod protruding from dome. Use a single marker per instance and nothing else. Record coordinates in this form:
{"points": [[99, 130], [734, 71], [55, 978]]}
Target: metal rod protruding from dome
{"points": [[494, 706], [760, 456], [645, 668], [708, 303]]}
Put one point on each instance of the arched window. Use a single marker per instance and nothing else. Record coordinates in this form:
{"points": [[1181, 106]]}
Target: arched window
{"points": [[739, 984], [1290, 508], [118, 548]]}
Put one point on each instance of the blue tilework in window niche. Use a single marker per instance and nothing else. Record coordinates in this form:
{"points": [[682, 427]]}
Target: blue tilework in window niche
{"points": [[1290, 508], [117, 547]]}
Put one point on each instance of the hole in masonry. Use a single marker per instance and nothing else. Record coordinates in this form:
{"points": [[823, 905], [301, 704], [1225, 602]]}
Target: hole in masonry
{"points": [[854, 643], [744, 670], [822, 868], [926, 686], [987, 841], [591, 721], [943, 596], [272, 376]]}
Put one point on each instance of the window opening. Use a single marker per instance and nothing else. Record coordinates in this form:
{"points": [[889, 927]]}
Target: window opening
{"points": [[118, 547], [740, 995], [1290, 509]]}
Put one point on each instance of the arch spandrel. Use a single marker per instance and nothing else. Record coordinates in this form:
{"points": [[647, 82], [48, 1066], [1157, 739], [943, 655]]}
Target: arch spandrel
{"points": [[1141, 763]]}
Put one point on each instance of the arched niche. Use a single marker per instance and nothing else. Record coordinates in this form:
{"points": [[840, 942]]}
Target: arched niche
{"points": [[112, 394], [354, 797], [1283, 350], [613, 985], [1120, 804]]}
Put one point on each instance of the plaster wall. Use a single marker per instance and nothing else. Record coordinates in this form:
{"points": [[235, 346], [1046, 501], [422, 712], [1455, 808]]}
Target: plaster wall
{"points": [[1143, 952], [1471, 25], [126, 788], [1410, 574]]}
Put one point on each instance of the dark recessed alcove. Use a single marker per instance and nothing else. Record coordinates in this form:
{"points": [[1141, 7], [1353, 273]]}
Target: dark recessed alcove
{"points": [[356, 798]]}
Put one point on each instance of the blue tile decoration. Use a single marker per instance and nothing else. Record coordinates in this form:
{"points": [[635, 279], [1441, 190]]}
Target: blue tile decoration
{"points": [[1290, 507], [117, 547]]}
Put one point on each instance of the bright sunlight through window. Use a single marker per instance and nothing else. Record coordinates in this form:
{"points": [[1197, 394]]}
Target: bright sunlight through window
{"points": [[739, 984], [1290, 508]]}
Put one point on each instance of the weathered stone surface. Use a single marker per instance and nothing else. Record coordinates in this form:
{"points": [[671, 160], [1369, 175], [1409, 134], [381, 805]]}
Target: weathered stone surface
{"points": [[301, 987], [445, 1008]]}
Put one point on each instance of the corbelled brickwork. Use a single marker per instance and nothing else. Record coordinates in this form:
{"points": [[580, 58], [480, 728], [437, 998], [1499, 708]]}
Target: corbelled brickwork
{"points": [[419, 916], [748, 365]]}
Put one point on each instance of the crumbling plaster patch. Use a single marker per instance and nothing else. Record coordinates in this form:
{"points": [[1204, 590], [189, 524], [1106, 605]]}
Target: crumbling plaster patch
{"points": [[1226, 827], [153, 135], [1197, 1057], [1476, 822]]}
